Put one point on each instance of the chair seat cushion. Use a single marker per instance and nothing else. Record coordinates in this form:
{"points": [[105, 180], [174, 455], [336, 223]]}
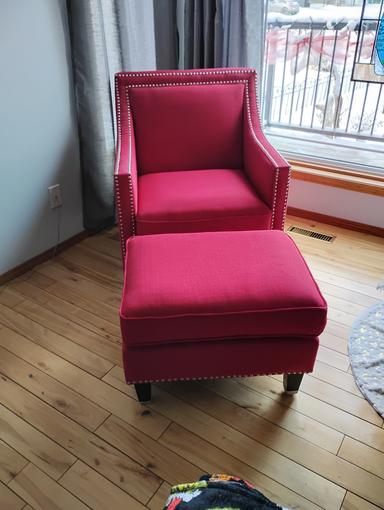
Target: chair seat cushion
{"points": [[199, 200], [218, 285]]}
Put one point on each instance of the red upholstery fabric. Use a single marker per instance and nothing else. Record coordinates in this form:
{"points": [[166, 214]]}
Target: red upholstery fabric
{"points": [[218, 285], [188, 128], [221, 358], [199, 200], [170, 121]]}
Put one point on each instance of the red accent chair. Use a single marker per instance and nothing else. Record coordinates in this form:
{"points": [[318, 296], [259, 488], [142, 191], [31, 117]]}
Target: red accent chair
{"points": [[192, 157], [214, 289], [218, 304]]}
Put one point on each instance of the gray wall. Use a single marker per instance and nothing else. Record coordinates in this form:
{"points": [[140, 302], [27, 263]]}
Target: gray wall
{"points": [[38, 134]]}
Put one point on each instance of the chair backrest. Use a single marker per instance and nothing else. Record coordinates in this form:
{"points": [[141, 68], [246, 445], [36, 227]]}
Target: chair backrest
{"points": [[184, 120]]}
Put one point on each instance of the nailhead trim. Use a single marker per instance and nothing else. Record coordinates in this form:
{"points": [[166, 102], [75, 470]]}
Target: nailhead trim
{"points": [[129, 130], [130, 183], [181, 84], [275, 197], [122, 230], [186, 73], [132, 205], [120, 216], [175, 379], [116, 176], [286, 198], [118, 115]]}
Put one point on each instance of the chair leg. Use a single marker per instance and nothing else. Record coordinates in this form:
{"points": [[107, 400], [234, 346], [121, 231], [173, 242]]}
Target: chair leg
{"points": [[292, 383], [143, 391]]}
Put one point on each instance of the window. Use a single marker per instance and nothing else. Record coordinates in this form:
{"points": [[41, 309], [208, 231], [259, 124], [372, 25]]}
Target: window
{"points": [[308, 91]]}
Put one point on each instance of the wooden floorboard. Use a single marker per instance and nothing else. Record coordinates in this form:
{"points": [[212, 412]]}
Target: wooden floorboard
{"points": [[9, 500], [72, 434], [41, 492]]}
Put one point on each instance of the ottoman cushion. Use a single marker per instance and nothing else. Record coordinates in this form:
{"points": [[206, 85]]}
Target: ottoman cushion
{"points": [[218, 285]]}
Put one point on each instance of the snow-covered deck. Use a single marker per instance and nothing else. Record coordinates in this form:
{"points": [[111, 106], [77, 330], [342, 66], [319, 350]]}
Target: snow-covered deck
{"points": [[307, 79], [328, 14]]}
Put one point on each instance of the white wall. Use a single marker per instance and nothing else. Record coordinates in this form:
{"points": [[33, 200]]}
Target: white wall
{"points": [[341, 203], [38, 134]]}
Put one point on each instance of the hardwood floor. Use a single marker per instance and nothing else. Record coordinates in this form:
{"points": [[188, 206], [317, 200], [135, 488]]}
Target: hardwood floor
{"points": [[73, 436]]}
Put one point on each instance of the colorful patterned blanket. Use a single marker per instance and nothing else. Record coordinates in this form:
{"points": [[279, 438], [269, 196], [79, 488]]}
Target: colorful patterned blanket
{"points": [[218, 492]]}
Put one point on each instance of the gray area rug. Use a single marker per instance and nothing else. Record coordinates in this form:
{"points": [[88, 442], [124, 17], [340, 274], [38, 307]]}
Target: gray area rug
{"points": [[366, 353]]}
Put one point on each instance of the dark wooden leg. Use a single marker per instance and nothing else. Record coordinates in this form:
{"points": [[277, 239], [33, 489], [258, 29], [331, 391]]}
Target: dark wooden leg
{"points": [[143, 392], [292, 383]]}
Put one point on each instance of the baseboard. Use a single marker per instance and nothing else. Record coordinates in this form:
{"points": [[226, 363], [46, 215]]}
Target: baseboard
{"points": [[337, 222], [42, 257]]}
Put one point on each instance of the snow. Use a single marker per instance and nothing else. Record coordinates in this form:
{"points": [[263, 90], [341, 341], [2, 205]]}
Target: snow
{"points": [[329, 14]]}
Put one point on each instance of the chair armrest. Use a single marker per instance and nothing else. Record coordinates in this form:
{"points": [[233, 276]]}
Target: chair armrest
{"points": [[126, 188], [268, 172]]}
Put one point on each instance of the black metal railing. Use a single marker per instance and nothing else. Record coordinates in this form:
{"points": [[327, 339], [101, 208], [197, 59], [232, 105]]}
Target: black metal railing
{"points": [[307, 80]]}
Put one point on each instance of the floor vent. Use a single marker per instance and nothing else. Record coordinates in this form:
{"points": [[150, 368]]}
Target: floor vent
{"points": [[311, 233]]}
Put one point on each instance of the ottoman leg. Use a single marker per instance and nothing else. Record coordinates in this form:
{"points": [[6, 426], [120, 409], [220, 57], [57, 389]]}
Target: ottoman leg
{"points": [[292, 383], [143, 391]]}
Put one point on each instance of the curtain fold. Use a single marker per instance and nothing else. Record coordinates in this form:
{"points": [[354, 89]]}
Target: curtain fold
{"points": [[221, 33], [108, 36], [199, 33]]}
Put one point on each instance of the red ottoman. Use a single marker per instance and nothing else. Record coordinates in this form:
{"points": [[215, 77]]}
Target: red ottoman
{"points": [[218, 304]]}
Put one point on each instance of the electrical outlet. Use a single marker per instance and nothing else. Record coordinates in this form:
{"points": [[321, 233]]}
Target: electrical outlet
{"points": [[55, 196]]}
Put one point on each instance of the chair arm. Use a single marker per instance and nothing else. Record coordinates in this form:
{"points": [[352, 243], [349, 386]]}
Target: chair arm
{"points": [[268, 172], [126, 189]]}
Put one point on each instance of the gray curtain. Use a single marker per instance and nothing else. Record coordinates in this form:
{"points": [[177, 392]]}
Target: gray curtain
{"points": [[108, 36], [221, 33]]}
